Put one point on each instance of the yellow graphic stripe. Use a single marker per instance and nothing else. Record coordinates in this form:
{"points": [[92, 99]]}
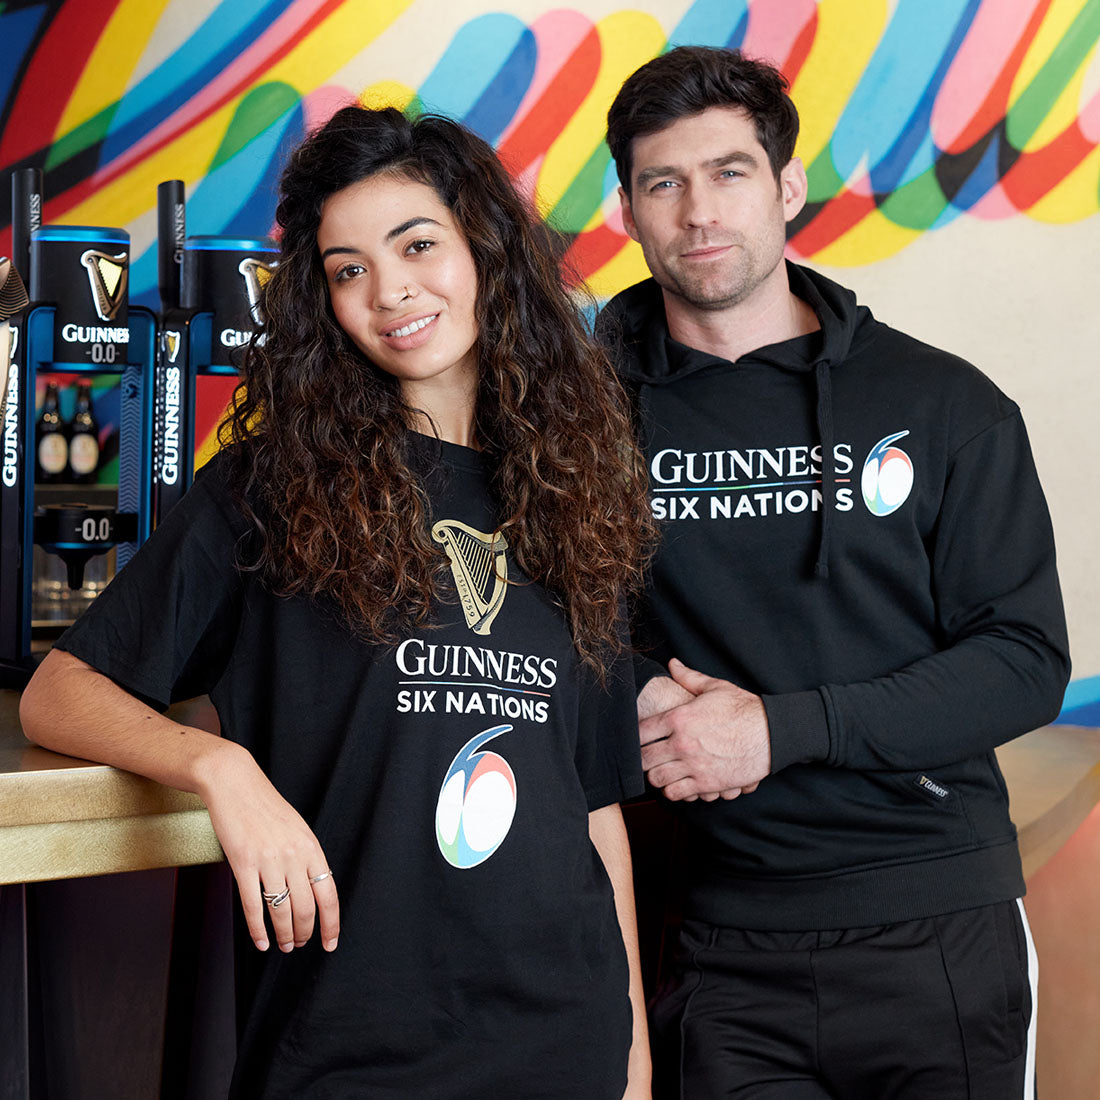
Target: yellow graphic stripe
{"points": [[848, 32], [627, 40], [114, 59], [873, 238], [626, 268], [131, 195], [206, 450], [387, 93], [342, 36]]}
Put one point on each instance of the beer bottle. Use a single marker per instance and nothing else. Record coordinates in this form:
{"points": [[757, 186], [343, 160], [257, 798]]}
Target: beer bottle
{"points": [[83, 436], [52, 446]]}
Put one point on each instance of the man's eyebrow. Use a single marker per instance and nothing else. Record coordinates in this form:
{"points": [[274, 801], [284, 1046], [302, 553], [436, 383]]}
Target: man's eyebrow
{"points": [[657, 172], [739, 156]]}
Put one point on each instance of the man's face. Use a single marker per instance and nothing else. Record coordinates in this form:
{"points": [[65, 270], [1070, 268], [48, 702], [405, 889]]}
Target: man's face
{"points": [[704, 205]]}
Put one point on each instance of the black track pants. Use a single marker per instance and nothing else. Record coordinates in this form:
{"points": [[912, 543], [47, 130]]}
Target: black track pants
{"points": [[939, 1009]]}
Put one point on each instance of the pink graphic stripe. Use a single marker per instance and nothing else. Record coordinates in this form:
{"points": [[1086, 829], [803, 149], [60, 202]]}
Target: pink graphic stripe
{"points": [[776, 30], [558, 34], [974, 96]]}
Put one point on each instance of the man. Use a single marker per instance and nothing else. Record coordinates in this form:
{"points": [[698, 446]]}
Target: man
{"points": [[857, 571]]}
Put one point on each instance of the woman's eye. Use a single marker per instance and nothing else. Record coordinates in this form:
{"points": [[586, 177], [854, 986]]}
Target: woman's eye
{"points": [[420, 245], [348, 271]]}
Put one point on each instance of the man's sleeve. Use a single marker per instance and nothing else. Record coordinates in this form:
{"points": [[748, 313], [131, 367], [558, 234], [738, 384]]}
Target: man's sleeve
{"points": [[1005, 665], [165, 626]]}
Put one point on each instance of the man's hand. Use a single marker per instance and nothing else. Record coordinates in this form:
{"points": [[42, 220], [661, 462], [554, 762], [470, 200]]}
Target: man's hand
{"points": [[713, 744], [660, 694]]}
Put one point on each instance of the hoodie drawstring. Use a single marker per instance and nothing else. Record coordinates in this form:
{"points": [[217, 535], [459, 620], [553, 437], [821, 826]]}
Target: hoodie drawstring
{"points": [[825, 432]]}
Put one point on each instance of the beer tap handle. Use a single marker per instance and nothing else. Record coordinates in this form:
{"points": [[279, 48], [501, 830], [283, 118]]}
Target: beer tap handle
{"points": [[171, 233], [13, 294]]}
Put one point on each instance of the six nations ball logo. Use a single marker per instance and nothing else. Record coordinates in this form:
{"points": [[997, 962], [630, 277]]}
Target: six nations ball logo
{"points": [[887, 476]]}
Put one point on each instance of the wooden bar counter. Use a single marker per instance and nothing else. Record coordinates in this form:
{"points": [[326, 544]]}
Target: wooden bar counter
{"points": [[65, 818], [68, 827]]}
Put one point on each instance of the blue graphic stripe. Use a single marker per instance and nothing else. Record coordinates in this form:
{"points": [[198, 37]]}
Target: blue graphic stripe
{"points": [[500, 101], [467, 683], [216, 44], [915, 152], [1082, 704], [469, 64], [248, 175], [893, 93], [712, 23], [17, 31]]}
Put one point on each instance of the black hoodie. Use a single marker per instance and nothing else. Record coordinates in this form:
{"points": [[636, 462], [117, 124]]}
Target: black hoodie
{"points": [[853, 528]]}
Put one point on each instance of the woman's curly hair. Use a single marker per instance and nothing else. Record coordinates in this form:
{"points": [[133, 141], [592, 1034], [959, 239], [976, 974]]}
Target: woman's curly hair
{"points": [[339, 511]]}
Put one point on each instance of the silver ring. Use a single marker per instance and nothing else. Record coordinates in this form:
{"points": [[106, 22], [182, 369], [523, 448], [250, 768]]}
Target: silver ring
{"points": [[321, 877], [275, 900]]}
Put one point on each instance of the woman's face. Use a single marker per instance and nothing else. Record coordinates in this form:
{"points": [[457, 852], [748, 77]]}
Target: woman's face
{"points": [[403, 284]]}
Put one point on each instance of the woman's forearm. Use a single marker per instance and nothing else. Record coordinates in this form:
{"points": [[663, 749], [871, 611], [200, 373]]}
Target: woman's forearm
{"points": [[608, 833], [71, 708]]}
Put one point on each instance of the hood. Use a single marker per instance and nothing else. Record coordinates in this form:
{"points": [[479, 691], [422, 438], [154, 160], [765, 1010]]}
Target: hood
{"points": [[633, 326]]}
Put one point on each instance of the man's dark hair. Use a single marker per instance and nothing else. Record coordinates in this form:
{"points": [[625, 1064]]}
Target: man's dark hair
{"points": [[689, 79]]}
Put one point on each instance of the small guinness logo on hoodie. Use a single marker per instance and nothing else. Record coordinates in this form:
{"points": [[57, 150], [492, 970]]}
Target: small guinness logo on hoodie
{"points": [[933, 788]]}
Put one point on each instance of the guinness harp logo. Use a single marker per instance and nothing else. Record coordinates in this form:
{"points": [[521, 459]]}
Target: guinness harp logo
{"points": [[256, 274], [480, 570], [107, 276], [171, 344]]}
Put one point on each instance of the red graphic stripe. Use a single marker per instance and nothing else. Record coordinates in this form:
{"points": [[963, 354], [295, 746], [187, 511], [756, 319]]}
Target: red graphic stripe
{"points": [[591, 250], [1037, 173], [557, 105], [184, 119], [800, 50], [52, 75], [834, 220]]}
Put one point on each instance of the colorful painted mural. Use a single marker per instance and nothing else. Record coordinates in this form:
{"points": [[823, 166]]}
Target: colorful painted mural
{"points": [[915, 112], [917, 115]]}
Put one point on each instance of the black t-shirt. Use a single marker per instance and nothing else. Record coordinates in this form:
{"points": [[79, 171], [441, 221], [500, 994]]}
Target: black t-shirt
{"points": [[449, 780]]}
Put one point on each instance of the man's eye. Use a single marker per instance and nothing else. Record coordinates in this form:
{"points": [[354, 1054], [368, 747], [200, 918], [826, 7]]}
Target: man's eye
{"points": [[663, 185]]}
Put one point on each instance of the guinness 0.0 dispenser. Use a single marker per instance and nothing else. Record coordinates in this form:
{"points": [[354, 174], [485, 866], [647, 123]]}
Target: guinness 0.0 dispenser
{"points": [[78, 321], [219, 286]]}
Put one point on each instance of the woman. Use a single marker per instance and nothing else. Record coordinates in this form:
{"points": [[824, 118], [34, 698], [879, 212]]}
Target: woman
{"points": [[400, 585]]}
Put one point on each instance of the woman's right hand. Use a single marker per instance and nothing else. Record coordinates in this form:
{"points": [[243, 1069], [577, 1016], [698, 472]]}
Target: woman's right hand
{"points": [[270, 849]]}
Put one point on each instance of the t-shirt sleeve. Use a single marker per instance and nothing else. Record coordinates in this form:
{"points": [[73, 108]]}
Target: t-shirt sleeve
{"points": [[164, 628], [608, 757]]}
